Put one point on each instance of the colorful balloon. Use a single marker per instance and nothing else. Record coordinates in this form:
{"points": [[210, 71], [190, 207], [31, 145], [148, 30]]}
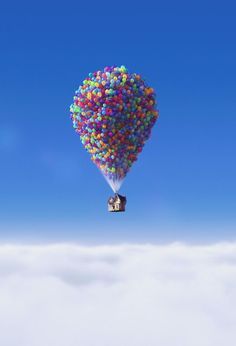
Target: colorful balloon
{"points": [[114, 112]]}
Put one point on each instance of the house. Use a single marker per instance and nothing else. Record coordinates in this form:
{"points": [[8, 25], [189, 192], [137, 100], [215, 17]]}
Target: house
{"points": [[116, 203]]}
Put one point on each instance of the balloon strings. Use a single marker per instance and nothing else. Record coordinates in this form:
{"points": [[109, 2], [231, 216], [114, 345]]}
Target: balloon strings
{"points": [[115, 182]]}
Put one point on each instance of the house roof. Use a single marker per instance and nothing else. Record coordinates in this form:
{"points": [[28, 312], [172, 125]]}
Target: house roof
{"points": [[116, 198]]}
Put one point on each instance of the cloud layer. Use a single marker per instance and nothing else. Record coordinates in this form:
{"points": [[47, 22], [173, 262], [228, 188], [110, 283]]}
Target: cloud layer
{"points": [[129, 295]]}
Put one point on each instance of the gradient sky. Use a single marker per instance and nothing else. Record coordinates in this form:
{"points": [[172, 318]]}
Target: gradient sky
{"points": [[183, 187]]}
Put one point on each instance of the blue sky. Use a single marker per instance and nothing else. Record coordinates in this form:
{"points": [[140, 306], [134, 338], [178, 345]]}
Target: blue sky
{"points": [[186, 174]]}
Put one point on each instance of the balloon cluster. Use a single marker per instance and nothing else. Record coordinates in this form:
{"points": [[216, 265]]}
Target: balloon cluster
{"points": [[113, 112]]}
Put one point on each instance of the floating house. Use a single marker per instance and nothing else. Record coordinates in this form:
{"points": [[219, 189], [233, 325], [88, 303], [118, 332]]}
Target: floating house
{"points": [[116, 203]]}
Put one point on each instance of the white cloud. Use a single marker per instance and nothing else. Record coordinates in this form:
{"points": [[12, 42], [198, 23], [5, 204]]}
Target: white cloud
{"points": [[129, 295]]}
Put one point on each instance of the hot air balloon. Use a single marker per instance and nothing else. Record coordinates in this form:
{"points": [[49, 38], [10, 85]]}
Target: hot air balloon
{"points": [[113, 112]]}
